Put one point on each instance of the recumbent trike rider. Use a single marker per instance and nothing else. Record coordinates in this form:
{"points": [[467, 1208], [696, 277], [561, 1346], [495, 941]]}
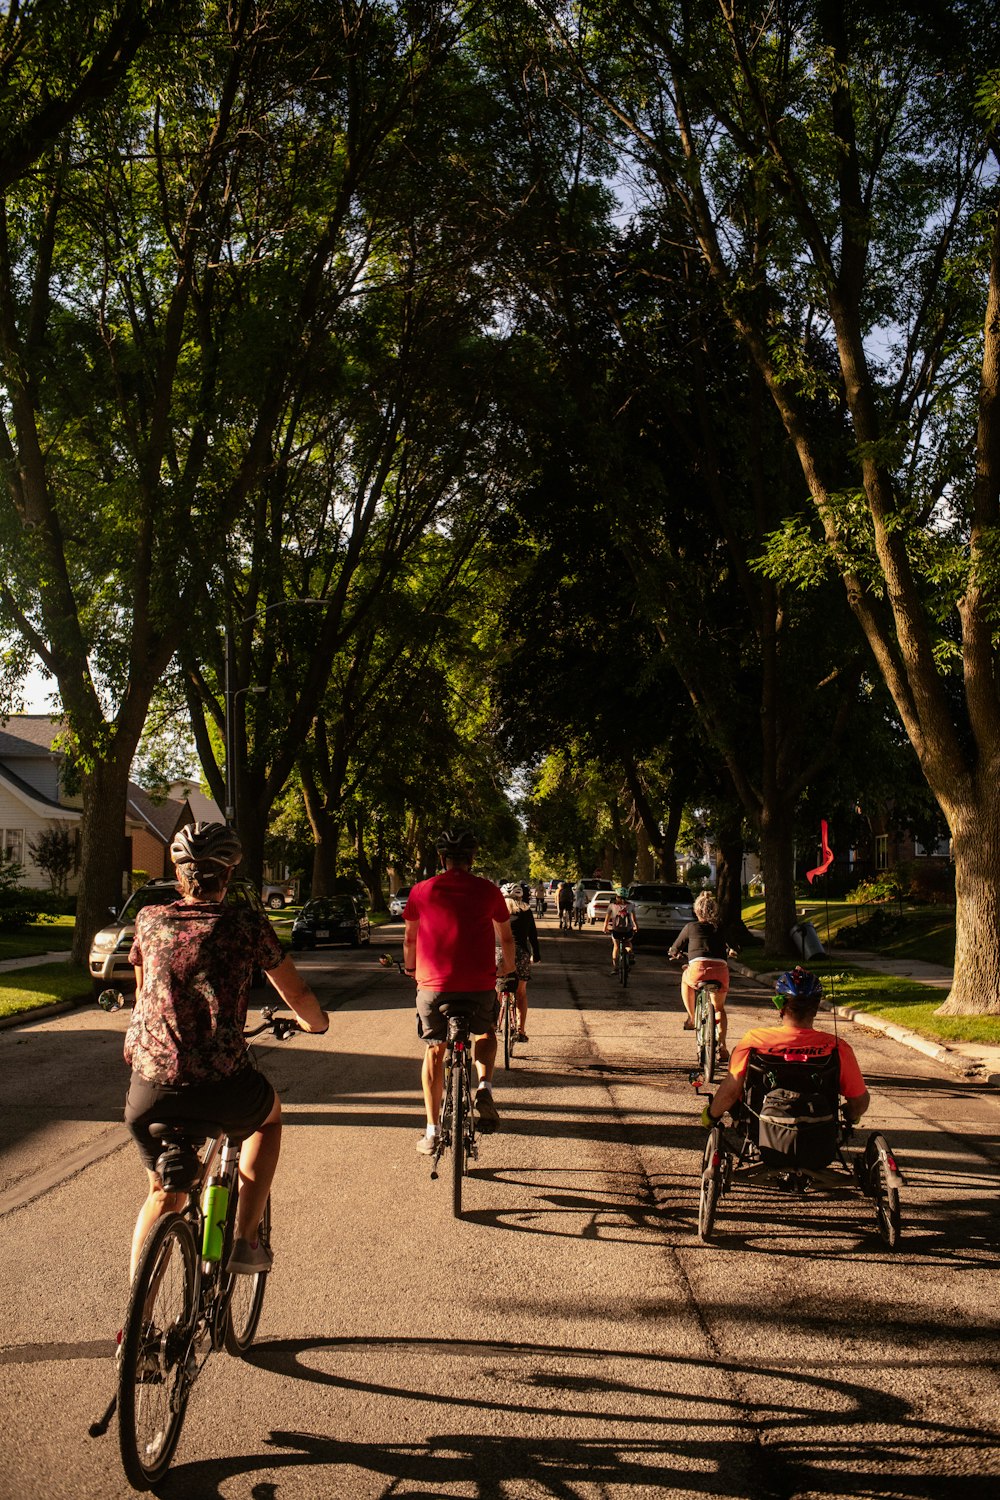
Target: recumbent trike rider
{"points": [[784, 1092]]}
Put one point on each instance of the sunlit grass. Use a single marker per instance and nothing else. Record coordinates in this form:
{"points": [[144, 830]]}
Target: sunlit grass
{"points": [[26, 989]]}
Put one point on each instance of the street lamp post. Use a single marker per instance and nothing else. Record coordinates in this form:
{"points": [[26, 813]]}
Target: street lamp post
{"points": [[230, 696]]}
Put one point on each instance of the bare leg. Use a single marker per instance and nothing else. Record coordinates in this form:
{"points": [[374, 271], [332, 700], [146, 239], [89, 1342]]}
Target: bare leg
{"points": [[687, 995], [157, 1204], [258, 1161], [522, 1004], [484, 1051], [720, 1017], [432, 1078]]}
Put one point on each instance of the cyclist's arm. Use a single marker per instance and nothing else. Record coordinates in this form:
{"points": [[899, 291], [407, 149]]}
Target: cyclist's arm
{"points": [[856, 1107], [730, 1090], [505, 938], [298, 996], [410, 946]]}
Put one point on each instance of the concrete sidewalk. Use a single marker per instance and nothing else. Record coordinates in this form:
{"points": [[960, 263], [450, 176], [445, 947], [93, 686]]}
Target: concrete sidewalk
{"points": [[34, 961], [976, 1061]]}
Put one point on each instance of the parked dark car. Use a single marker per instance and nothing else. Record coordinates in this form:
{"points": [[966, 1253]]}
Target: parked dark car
{"points": [[332, 919]]}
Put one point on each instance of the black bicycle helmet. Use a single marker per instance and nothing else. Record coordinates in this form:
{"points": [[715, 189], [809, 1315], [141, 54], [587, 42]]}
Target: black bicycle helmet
{"points": [[456, 843], [797, 984], [204, 844]]}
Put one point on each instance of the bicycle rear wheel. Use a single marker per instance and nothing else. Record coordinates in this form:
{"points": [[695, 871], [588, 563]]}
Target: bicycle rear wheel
{"points": [[458, 1106], [246, 1295], [884, 1192], [508, 1034], [154, 1380], [708, 1042], [623, 965], [711, 1185]]}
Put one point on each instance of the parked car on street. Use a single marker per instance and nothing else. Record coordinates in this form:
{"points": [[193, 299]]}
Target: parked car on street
{"points": [[593, 883], [276, 897], [662, 908], [398, 900], [109, 965], [332, 919], [597, 906]]}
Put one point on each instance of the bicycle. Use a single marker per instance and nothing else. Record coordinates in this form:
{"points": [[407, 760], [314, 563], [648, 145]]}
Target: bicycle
{"points": [[183, 1305], [623, 960], [706, 1031], [579, 914], [508, 1024]]}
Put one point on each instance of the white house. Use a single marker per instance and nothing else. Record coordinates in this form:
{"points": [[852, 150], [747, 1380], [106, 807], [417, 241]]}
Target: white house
{"points": [[33, 800]]}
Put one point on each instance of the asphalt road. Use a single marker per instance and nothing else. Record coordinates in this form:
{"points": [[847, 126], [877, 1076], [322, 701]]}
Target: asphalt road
{"points": [[570, 1337]]}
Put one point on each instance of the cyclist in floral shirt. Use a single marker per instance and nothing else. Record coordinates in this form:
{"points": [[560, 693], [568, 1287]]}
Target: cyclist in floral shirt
{"points": [[194, 962]]}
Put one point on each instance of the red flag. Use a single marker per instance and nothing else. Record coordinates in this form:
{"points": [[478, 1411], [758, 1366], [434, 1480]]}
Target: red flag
{"points": [[827, 854]]}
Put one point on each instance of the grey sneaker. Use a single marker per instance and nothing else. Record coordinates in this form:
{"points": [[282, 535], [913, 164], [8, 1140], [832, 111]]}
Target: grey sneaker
{"points": [[427, 1145], [248, 1260], [489, 1115]]}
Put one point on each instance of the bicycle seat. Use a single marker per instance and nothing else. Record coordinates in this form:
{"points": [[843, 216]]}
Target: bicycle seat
{"points": [[186, 1130], [709, 985]]}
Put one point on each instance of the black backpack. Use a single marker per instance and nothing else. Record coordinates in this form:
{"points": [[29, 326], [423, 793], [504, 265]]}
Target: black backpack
{"points": [[794, 1108]]}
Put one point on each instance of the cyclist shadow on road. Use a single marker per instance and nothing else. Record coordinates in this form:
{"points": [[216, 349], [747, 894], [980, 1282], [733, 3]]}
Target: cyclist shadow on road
{"points": [[676, 1429]]}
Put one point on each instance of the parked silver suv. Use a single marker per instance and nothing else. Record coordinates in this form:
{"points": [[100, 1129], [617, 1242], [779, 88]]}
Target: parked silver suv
{"points": [[109, 965]]}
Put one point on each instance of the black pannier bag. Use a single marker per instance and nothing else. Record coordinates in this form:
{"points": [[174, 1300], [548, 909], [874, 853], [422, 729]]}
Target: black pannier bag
{"points": [[796, 1108], [797, 1129]]}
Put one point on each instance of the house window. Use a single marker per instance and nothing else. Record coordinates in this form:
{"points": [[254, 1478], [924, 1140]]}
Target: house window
{"points": [[938, 850], [881, 851], [13, 845]]}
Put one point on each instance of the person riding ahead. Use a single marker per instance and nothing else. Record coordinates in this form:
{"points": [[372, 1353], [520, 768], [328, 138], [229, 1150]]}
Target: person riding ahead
{"points": [[194, 961], [621, 921], [522, 925], [453, 923], [706, 951], [798, 993], [580, 899]]}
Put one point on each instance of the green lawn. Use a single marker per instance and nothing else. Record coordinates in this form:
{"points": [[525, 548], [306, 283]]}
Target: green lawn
{"points": [[52, 935], [27, 989]]}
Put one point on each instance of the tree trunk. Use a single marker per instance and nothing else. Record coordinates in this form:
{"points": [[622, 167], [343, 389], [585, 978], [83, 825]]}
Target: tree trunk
{"points": [[729, 883], [777, 855], [102, 833], [975, 832]]}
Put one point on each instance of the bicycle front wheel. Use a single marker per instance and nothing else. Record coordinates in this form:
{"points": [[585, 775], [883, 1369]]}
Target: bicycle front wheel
{"points": [[458, 1105], [884, 1193], [508, 1031], [711, 1185], [623, 965], [154, 1379], [246, 1295]]}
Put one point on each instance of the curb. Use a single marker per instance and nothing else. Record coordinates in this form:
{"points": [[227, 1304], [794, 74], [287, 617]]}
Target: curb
{"points": [[41, 1012], [912, 1039]]}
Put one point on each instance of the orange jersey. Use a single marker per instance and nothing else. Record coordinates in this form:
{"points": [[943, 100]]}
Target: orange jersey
{"points": [[799, 1044]]}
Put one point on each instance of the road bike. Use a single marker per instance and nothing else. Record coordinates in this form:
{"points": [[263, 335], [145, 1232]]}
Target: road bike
{"points": [[623, 961], [579, 915], [183, 1304], [457, 1125], [508, 1024]]}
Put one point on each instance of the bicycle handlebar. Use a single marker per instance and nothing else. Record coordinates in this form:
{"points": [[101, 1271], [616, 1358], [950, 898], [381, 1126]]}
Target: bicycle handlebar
{"points": [[281, 1027]]}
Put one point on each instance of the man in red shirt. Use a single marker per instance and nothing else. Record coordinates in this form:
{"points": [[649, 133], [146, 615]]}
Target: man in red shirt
{"points": [[798, 995], [453, 925]]}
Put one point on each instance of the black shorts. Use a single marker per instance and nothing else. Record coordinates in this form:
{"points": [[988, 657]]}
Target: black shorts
{"points": [[435, 1006], [240, 1103]]}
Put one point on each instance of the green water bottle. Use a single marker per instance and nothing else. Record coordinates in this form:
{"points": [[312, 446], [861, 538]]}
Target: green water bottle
{"points": [[216, 1206]]}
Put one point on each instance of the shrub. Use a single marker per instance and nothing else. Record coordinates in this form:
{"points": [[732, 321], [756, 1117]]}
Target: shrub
{"points": [[927, 882], [881, 888], [18, 906], [56, 853]]}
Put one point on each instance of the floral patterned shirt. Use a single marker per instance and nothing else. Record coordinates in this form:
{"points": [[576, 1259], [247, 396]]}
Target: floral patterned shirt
{"points": [[197, 960]]}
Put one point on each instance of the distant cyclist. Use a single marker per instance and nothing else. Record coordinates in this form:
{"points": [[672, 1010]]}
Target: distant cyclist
{"points": [[564, 903], [522, 925], [539, 895], [580, 898], [706, 950], [452, 926], [622, 923], [194, 961]]}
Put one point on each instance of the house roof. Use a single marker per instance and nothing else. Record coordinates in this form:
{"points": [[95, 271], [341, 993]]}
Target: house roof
{"points": [[26, 734], [163, 818], [38, 803]]}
